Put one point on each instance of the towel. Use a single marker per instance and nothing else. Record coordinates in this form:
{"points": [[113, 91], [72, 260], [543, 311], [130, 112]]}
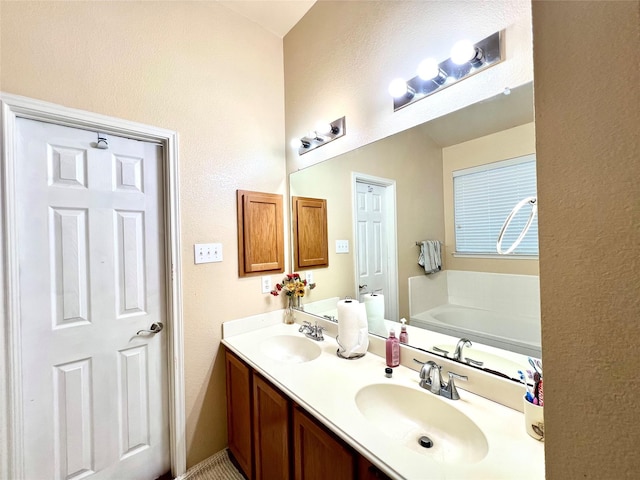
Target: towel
{"points": [[430, 257]]}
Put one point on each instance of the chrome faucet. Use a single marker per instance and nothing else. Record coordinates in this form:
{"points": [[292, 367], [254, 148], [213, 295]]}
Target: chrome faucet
{"points": [[431, 379], [314, 332], [449, 390], [463, 342]]}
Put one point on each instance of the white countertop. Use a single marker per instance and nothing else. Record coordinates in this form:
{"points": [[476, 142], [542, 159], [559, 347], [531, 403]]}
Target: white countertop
{"points": [[327, 386]]}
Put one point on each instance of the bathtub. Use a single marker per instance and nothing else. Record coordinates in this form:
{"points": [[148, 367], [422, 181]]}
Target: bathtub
{"points": [[520, 334]]}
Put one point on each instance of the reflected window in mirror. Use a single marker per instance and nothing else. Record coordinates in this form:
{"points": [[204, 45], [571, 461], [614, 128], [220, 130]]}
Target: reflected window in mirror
{"points": [[484, 196]]}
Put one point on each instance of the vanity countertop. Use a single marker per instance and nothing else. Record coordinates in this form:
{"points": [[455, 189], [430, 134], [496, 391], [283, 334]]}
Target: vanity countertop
{"points": [[327, 387]]}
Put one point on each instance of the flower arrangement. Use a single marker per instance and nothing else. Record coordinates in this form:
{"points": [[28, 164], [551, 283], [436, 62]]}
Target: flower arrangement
{"points": [[292, 286]]}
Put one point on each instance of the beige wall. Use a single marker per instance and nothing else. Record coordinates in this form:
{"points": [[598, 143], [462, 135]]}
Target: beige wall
{"points": [[511, 143], [189, 67], [588, 152], [415, 163]]}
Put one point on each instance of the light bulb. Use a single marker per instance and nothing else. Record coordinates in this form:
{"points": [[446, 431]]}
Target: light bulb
{"points": [[428, 69], [312, 135], [462, 52], [324, 127], [398, 88]]}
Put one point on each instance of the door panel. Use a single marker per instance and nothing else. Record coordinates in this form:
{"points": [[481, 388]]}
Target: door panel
{"points": [[91, 274], [370, 241]]}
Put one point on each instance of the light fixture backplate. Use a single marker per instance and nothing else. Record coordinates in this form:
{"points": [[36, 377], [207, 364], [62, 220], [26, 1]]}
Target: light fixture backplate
{"points": [[492, 49], [324, 138]]}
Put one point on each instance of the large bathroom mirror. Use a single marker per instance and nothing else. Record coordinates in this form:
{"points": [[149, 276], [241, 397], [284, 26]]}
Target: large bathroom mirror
{"points": [[408, 179]]}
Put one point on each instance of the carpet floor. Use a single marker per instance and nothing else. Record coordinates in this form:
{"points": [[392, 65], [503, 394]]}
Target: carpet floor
{"points": [[216, 467]]}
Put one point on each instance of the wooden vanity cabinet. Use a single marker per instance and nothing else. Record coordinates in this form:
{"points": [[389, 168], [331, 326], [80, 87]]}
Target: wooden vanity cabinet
{"points": [[272, 438], [318, 455], [239, 412], [368, 471]]}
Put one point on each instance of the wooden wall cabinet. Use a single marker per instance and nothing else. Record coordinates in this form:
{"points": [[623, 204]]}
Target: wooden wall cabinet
{"points": [[260, 233], [272, 438], [310, 241]]}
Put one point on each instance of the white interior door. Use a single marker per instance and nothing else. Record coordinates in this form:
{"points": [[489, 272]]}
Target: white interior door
{"points": [[91, 274], [371, 241]]}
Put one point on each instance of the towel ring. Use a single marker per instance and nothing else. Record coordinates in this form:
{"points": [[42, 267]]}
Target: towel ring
{"points": [[534, 209]]}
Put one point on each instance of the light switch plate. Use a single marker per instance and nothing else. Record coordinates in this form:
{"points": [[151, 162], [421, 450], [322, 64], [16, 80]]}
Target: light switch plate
{"points": [[207, 252], [342, 246]]}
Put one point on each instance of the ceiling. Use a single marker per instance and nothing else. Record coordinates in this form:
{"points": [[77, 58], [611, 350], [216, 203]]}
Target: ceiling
{"points": [[276, 16]]}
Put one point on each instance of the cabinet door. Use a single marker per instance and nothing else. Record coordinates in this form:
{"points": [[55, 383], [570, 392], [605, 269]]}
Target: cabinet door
{"points": [[270, 431], [260, 233], [310, 243], [368, 471], [239, 412], [318, 454]]}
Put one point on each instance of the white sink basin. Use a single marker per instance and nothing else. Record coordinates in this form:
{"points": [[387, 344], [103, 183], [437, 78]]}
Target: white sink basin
{"points": [[290, 349], [406, 415]]}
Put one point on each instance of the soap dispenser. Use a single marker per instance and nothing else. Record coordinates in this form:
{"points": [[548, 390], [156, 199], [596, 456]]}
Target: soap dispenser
{"points": [[404, 336], [393, 349]]}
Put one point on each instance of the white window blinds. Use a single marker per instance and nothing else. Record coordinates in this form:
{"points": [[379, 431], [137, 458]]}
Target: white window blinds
{"points": [[483, 198]]}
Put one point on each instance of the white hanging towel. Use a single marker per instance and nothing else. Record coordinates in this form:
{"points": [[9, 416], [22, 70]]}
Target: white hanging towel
{"points": [[430, 256]]}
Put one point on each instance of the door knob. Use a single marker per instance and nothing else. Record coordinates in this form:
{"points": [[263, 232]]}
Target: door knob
{"points": [[154, 328]]}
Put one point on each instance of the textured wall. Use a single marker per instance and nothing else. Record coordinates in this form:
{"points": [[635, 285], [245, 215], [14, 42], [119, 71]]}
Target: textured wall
{"points": [[189, 67], [340, 58], [587, 101]]}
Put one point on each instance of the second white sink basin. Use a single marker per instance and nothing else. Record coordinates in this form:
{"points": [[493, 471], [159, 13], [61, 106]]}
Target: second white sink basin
{"points": [[290, 349], [407, 415]]}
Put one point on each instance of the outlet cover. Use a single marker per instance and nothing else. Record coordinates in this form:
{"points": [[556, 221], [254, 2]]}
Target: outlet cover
{"points": [[266, 284], [308, 276]]}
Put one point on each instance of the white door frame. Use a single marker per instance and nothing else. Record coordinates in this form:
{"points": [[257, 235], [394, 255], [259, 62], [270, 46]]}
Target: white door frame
{"points": [[11, 425], [391, 234]]}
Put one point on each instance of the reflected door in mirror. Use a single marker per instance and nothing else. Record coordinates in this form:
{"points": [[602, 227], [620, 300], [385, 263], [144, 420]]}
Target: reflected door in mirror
{"points": [[371, 240]]}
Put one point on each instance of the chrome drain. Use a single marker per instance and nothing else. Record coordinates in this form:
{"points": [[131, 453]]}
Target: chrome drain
{"points": [[425, 442]]}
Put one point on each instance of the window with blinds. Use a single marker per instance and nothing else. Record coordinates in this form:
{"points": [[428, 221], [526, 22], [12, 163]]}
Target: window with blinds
{"points": [[484, 196]]}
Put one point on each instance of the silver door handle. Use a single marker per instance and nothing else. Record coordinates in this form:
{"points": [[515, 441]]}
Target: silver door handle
{"points": [[154, 328]]}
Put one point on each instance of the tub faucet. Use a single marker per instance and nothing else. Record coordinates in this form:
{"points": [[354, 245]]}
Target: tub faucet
{"points": [[463, 342]]}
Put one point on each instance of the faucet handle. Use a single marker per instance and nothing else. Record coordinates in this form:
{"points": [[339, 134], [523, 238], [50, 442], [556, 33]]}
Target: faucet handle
{"points": [[305, 326], [449, 390], [319, 331]]}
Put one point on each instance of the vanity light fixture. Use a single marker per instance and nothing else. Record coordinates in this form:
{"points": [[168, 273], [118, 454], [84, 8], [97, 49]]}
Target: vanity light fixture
{"points": [[323, 134], [466, 59]]}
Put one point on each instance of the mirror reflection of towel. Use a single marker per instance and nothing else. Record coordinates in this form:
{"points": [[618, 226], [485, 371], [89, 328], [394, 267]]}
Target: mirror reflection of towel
{"points": [[430, 257]]}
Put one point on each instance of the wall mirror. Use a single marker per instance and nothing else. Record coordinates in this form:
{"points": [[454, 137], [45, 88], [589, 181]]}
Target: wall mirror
{"points": [[408, 178]]}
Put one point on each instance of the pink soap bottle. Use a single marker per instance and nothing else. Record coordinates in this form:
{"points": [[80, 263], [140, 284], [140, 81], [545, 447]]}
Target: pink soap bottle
{"points": [[404, 336], [393, 349]]}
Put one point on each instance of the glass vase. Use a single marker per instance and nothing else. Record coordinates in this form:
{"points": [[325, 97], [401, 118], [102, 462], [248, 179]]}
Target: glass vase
{"points": [[289, 311]]}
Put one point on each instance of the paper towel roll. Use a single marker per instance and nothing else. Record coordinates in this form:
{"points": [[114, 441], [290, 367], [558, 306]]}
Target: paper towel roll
{"points": [[374, 305], [353, 333]]}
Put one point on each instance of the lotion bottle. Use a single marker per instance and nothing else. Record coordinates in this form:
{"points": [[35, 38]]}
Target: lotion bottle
{"points": [[404, 336], [393, 349]]}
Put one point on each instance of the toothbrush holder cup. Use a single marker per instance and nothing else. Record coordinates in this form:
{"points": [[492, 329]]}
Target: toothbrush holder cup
{"points": [[534, 420]]}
